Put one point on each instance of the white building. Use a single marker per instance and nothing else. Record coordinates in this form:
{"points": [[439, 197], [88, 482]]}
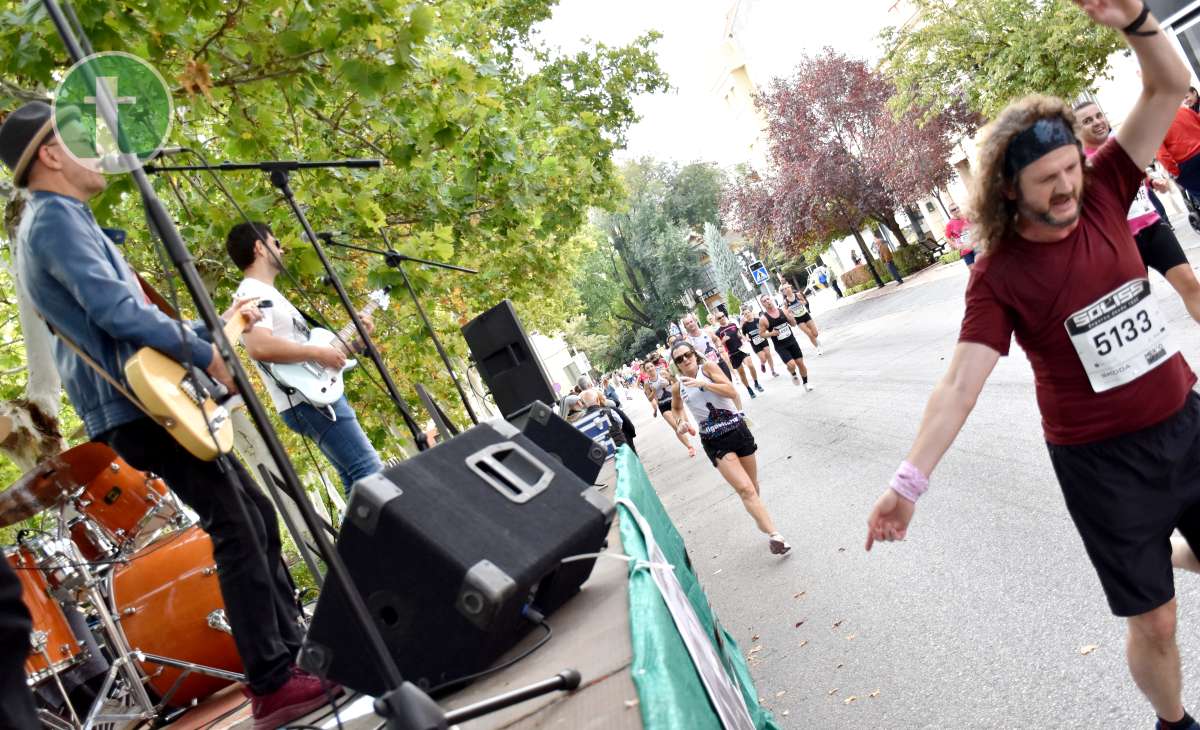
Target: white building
{"points": [[563, 365]]}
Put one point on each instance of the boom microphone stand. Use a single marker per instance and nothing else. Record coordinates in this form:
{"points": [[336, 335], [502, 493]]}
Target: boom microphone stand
{"points": [[280, 173], [404, 705], [396, 260]]}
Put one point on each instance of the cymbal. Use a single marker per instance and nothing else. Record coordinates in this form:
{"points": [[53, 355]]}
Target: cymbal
{"points": [[53, 481]]}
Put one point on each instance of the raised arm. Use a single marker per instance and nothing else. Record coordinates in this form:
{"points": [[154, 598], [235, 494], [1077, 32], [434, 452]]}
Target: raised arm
{"points": [[1165, 79]]}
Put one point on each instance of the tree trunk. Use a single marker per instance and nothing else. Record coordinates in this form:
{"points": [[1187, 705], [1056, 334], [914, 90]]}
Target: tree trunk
{"points": [[889, 221], [34, 434], [870, 261]]}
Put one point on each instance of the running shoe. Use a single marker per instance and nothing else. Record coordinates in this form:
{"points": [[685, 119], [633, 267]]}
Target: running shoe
{"points": [[759, 387], [753, 395], [1194, 726], [778, 545], [807, 388]]}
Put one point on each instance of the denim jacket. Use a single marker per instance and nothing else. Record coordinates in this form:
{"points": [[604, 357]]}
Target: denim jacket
{"points": [[83, 287]]}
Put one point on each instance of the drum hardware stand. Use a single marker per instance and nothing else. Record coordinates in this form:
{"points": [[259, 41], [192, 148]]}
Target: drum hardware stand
{"points": [[188, 669], [280, 173], [396, 260], [405, 706]]}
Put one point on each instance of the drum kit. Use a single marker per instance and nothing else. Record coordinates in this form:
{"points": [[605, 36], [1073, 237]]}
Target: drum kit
{"points": [[123, 592]]}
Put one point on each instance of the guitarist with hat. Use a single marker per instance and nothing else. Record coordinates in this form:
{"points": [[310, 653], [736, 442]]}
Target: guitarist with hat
{"points": [[88, 293], [282, 337]]}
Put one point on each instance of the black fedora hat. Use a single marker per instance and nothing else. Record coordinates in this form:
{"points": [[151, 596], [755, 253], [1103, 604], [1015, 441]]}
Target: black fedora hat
{"points": [[21, 134]]}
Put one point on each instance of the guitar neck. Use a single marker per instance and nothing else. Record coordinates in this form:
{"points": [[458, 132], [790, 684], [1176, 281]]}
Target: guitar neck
{"points": [[348, 330]]}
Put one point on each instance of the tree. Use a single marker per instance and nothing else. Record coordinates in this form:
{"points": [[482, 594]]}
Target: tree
{"points": [[693, 198], [490, 160], [985, 53], [725, 263], [838, 157]]}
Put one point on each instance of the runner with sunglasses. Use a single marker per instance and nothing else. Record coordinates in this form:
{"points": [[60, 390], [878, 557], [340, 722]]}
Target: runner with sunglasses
{"points": [[726, 438]]}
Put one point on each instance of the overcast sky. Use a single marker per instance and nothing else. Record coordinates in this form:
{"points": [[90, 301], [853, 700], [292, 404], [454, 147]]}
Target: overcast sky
{"points": [[685, 124]]}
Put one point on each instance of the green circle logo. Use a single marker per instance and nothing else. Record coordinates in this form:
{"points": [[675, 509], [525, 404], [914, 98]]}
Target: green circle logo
{"points": [[141, 106]]}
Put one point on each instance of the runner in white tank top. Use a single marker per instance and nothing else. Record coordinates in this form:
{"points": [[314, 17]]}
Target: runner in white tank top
{"points": [[726, 438]]}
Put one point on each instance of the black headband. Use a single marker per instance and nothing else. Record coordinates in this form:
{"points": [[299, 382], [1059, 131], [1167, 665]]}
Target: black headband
{"points": [[1046, 135]]}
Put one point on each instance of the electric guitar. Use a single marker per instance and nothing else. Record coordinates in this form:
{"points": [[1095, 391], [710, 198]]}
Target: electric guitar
{"points": [[316, 383], [193, 407]]}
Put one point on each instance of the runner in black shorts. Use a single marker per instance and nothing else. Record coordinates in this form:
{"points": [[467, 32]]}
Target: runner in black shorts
{"points": [[758, 343], [799, 307], [1063, 275], [729, 334], [778, 325], [705, 391]]}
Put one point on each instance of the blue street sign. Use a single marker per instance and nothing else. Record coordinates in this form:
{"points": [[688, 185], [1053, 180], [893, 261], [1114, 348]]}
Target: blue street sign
{"points": [[759, 272]]}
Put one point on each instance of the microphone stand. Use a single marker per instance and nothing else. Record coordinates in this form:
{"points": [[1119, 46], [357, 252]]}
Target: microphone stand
{"points": [[404, 706], [279, 172], [396, 260]]}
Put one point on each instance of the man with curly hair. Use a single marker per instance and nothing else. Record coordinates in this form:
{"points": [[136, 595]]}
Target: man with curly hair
{"points": [[1061, 272]]}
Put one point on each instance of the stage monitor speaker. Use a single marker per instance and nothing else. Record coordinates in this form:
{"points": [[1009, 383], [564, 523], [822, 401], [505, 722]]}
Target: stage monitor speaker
{"points": [[506, 359], [583, 456], [450, 549]]}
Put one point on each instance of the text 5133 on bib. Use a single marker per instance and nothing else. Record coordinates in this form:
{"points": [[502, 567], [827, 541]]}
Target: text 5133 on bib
{"points": [[1121, 336]]}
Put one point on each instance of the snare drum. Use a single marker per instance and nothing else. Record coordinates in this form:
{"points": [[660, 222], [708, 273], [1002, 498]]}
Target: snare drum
{"points": [[169, 603], [130, 507], [54, 647]]}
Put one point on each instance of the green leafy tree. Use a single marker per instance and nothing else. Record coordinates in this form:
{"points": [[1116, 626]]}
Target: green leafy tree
{"points": [[988, 52], [490, 160], [726, 265], [693, 197]]}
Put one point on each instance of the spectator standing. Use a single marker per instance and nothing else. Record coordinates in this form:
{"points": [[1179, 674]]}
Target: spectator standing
{"points": [[958, 232]]}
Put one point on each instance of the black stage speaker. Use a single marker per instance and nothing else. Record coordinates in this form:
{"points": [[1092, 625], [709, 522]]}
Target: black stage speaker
{"points": [[506, 359], [448, 549], [583, 456]]}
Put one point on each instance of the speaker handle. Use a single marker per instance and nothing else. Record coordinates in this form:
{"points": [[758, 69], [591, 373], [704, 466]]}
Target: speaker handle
{"points": [[492, 464]]}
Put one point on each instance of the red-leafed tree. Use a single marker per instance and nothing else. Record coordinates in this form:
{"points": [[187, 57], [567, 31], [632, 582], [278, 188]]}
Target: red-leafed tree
{"points": [[838, 157]]}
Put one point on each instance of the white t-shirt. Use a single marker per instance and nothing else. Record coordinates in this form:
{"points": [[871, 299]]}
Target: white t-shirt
{"points": [[282, 320]]}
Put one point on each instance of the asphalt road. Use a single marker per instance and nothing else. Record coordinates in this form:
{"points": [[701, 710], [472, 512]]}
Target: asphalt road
{"points": [[988, 616]]}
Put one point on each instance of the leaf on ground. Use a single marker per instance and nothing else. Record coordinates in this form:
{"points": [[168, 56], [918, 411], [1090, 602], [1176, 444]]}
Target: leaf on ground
{"points": [[800, 622], [629, 704], [756, 649], [1085, 650], [839, 666], [785, 713], [803, 642], [841, 550], [754, 638], [874, 694], [781, 693], [800, 594], [849, 699], [851, 637], [838, 623], [718, 570]]}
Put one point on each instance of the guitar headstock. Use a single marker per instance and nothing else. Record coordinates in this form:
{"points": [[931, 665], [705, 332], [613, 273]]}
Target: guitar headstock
{"points": [[381, 297]]}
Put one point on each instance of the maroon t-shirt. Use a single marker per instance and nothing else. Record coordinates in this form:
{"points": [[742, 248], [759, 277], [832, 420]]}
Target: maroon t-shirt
{"points": [[1031, 289]]}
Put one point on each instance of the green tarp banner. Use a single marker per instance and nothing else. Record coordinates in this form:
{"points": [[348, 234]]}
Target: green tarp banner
{"points": [[670, 691]]}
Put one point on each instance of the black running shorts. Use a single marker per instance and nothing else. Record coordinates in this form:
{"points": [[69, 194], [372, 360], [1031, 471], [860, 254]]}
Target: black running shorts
{"points": [[664, 405], [760, 347], [737, 357], [789, 349], [1126, 494], [1159, 247], [738, 441]]}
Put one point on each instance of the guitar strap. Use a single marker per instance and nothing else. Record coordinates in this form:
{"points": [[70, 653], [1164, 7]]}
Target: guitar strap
{"points": [[103, 373]]}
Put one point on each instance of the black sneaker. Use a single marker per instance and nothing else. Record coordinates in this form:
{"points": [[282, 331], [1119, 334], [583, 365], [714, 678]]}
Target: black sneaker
{"points": [[759, 387]]}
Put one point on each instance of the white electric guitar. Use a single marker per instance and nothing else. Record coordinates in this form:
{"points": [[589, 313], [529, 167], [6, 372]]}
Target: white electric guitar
{"points": [[318, 384]]}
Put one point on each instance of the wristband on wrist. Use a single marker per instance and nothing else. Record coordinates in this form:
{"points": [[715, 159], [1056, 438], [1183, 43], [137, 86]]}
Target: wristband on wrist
{"points": [[1134, 28], [909, 482]]}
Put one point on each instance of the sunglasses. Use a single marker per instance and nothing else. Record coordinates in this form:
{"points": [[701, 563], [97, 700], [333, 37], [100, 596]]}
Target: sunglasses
{"points": [[680, 359]]}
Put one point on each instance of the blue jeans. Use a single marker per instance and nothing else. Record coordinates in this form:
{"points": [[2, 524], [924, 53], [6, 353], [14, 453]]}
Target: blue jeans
{"points": [[895, 272], [341, 439]]}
